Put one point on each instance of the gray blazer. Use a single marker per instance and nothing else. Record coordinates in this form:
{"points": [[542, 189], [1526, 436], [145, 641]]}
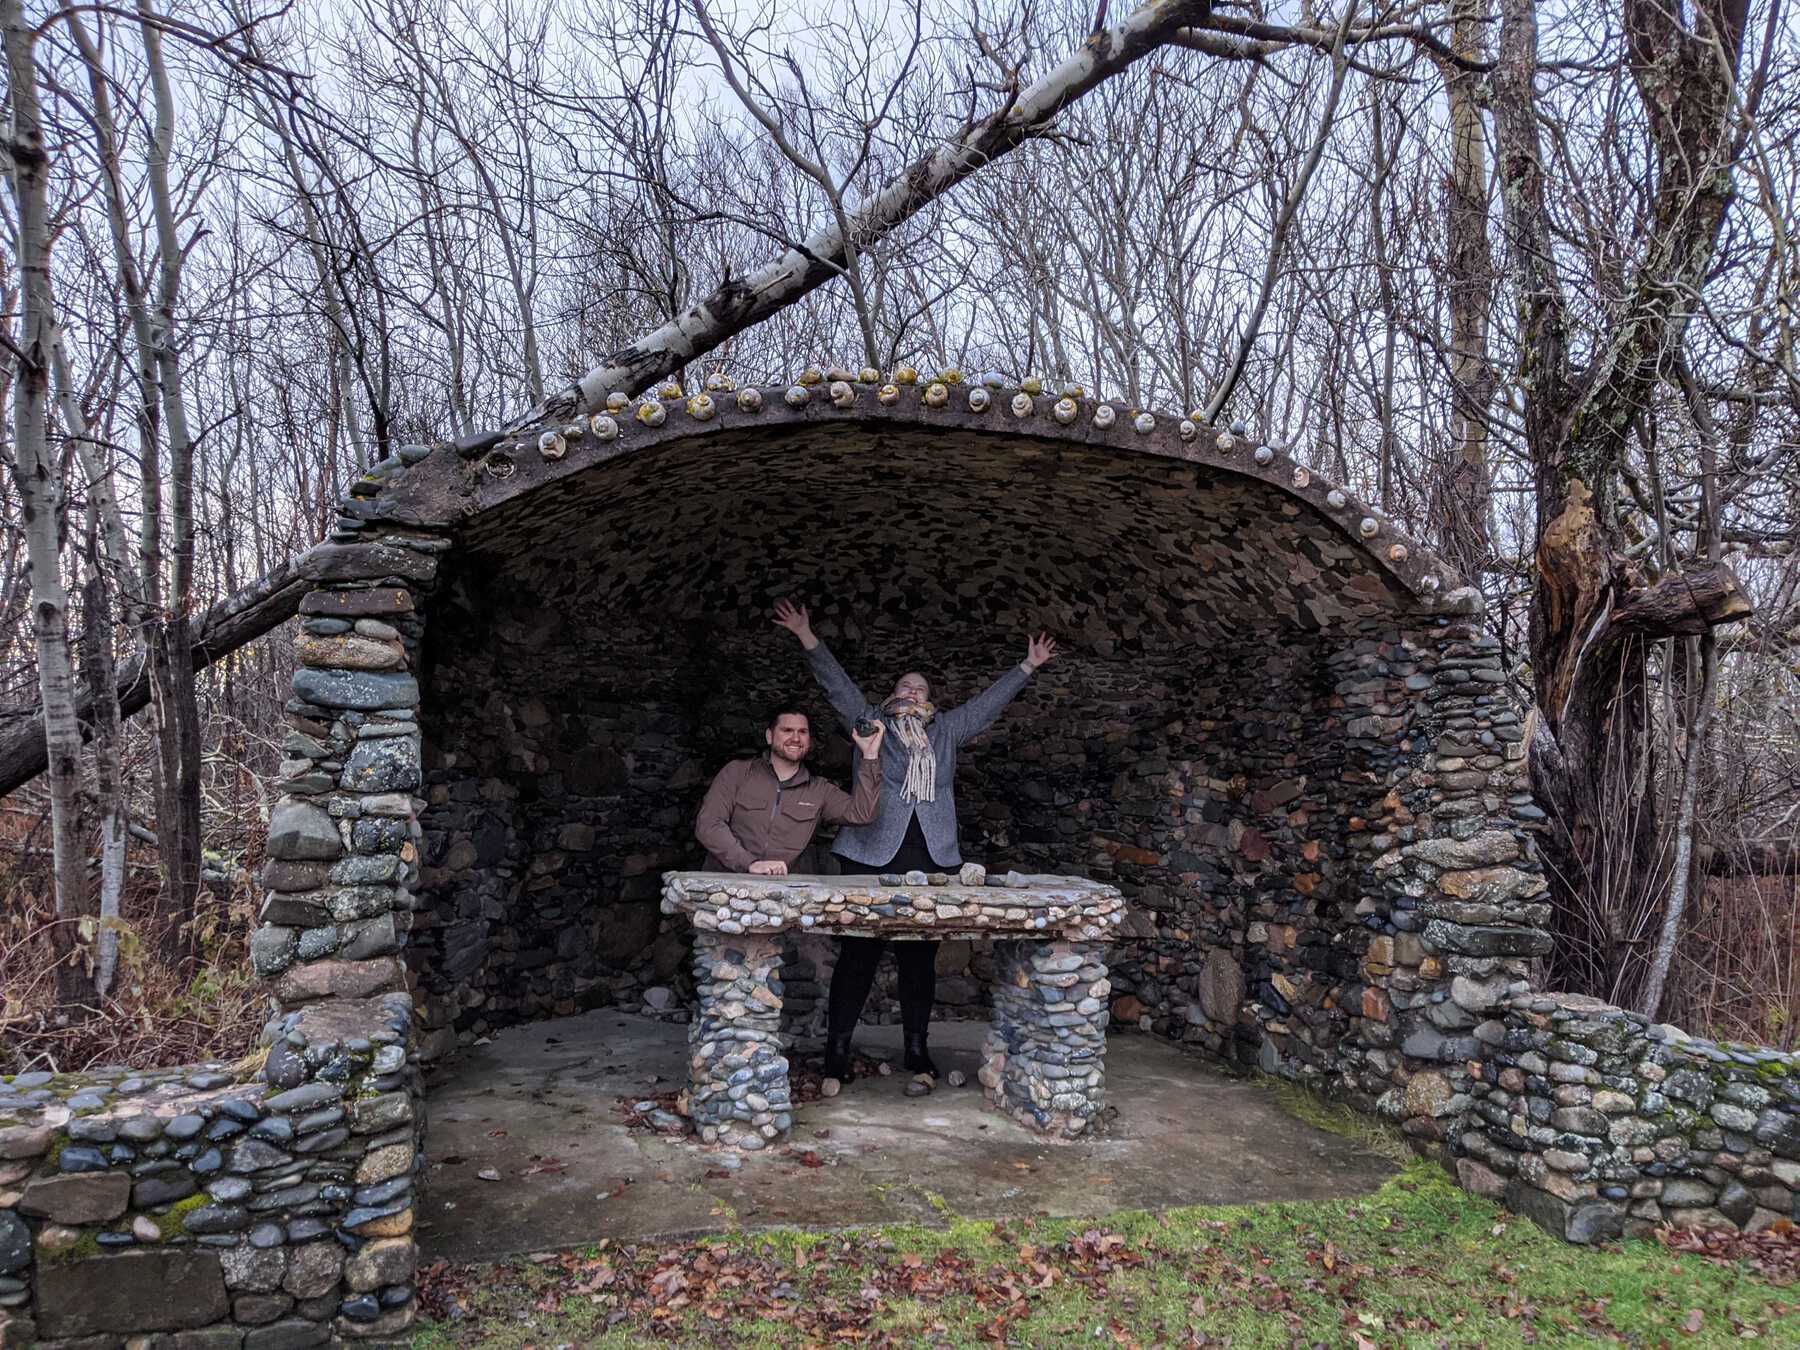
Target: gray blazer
{"points": [[876, 844]]}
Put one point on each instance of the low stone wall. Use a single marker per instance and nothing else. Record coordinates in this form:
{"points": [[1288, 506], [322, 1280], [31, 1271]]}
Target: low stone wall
{"points": [[195, 1207], [1594, 1122]]}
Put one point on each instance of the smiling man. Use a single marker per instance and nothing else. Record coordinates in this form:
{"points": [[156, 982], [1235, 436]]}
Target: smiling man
{"points": [[760, 814]]}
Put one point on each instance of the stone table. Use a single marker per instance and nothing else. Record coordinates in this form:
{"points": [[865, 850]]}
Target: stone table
{"points": [[1045, 1054]]}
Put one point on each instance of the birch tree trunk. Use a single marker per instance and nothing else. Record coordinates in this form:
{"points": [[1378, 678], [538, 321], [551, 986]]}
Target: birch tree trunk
{"points": [[38, 477], [109, 565], [171, 648]]}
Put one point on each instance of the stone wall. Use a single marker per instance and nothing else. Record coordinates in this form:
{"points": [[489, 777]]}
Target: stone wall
{"points": [[1279, 811], [589, 667], [1340, 867], [267, 1204], [1594, 1122], [565, 760], [207, 1206]]}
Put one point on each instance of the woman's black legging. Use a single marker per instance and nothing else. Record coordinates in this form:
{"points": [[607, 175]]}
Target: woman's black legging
{"points": [[858, 957]]}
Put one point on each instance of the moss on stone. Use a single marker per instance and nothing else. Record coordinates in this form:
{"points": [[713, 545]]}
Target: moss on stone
{"points": [[170, 1222], [88, 1244]]}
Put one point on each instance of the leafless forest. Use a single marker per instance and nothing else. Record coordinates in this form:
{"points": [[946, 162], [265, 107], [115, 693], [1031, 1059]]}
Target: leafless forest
{"points": [[1524, 276]]}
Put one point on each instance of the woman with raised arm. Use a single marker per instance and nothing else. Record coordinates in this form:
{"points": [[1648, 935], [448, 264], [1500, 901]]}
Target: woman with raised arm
{"points": [[914, 830]]}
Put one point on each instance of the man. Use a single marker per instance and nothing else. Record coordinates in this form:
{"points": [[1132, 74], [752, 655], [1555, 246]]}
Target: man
{"points": [[760, 813]]}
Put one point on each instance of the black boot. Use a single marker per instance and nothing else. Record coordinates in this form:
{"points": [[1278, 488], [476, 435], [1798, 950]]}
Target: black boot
{"points": [[918, 1059], [837, 1055]]}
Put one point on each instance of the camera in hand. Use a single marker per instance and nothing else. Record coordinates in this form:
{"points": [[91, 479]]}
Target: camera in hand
{"points": [[865, 726]]}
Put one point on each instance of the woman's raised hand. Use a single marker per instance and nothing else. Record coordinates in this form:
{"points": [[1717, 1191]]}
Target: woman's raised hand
{"points": [[795, 619], [1039, 650]]}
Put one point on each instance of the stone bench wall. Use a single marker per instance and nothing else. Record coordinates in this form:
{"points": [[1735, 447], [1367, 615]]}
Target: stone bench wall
{"points": [[1595, 1121], [203, 1207]]}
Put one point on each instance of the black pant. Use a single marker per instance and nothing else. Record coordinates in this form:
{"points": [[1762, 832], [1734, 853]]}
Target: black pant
{"points": [[858, 958]]}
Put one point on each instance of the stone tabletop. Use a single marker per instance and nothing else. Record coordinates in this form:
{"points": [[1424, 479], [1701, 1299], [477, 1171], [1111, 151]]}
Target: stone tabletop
{"points": [[967, 904]]}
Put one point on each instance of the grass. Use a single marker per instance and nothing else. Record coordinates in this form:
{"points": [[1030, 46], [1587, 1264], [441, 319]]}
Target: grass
{"points": [[1417, 1263], [1370, 1132]]}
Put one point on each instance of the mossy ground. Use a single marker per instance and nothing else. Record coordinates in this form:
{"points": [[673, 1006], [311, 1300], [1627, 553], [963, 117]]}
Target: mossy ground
{"points": [[1416, 1263]]}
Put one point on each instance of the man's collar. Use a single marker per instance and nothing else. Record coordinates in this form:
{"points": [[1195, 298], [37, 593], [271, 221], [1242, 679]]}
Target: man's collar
{"points": [[802, 774]]}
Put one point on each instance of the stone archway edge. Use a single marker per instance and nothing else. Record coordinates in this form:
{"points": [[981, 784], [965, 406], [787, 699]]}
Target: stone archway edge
{"points": [[424, 487]]}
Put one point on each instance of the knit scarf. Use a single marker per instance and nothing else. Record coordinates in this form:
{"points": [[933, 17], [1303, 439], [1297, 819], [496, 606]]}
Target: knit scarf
{"points": [[910, 721]]}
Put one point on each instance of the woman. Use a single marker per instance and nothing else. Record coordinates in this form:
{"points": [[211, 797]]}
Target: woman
{"points": [[913, 831]]}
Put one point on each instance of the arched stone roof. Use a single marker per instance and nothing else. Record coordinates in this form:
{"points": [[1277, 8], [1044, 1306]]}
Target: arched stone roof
{"points": [[1079, 507]]}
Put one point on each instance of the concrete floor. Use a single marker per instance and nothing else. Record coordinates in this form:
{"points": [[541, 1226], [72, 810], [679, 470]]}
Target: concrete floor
{"points": [[537, 1105]]}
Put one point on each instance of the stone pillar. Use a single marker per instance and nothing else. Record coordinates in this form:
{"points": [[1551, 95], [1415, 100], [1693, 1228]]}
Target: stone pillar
{"points": [[344, 836], [738, 1091], [343, 859], [1045, 1054]]}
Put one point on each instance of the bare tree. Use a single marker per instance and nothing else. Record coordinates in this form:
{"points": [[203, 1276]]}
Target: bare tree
{"points": [[39, 481]]}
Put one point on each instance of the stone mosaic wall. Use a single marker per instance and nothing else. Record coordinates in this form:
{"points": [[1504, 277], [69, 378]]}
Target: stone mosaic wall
{"points": [[211, 1206], [539, 883], [1246, 731], [1594, 1122]]}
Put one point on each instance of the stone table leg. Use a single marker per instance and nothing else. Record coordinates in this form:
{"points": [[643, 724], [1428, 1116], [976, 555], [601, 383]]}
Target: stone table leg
{"points": [[1046, 1050], [737, 1075]]}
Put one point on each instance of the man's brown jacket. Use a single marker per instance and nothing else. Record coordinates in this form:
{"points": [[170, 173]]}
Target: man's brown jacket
{"points": [[750, 815]]}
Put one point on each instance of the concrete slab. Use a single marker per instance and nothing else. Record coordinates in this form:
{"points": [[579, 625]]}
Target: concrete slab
{"points": [[537, 1106]]}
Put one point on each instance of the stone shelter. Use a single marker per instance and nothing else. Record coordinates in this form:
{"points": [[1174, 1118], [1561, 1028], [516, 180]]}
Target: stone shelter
{"points": [[1277, 727]]}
